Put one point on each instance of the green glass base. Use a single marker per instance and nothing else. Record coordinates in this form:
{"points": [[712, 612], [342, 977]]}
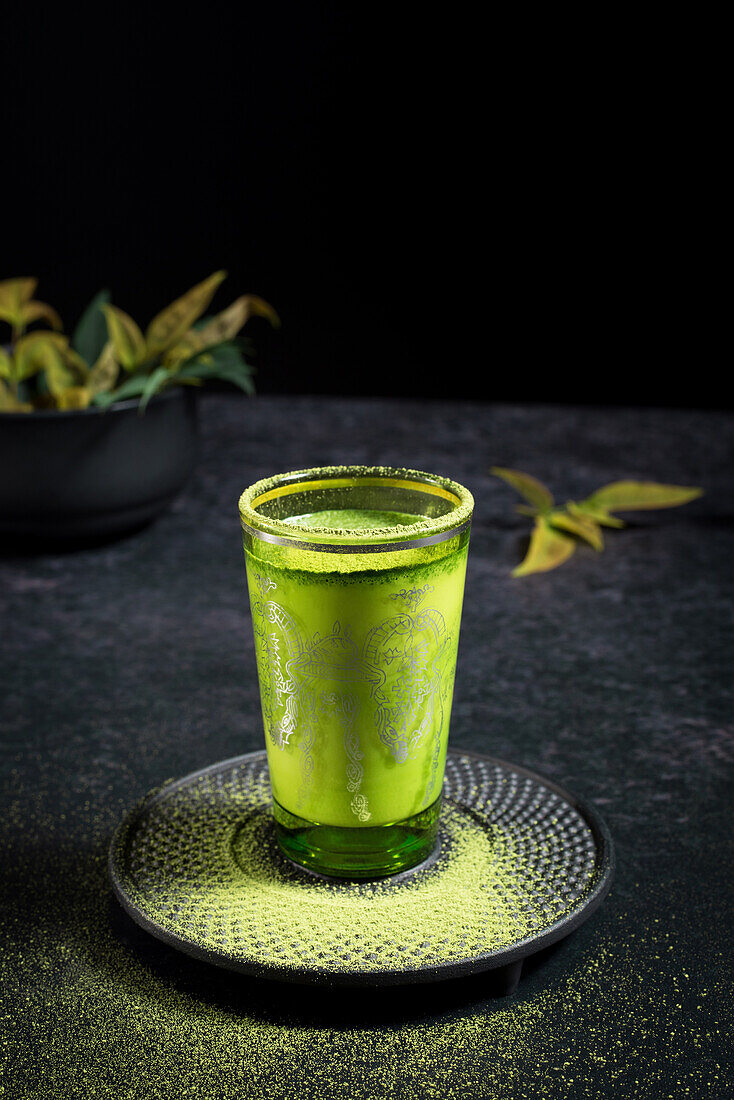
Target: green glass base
{"points": [[366, 852]]}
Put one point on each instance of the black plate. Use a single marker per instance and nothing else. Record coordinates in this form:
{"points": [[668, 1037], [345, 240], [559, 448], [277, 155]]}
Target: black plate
{"points": [[521, 864]]}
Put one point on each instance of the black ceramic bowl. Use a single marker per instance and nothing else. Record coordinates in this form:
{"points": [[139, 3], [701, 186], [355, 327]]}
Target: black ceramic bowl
{"points": [[89, 474]]}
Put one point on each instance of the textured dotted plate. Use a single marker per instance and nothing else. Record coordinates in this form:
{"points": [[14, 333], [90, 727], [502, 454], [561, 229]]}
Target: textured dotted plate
{"points": [[521, 864]]}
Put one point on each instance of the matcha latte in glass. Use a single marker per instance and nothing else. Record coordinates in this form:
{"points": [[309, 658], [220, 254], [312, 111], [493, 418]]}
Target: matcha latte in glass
{"points": [[356, 579]]}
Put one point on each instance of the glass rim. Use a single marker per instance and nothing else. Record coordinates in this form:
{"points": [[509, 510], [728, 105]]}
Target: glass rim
{"points": [[425, 531]]}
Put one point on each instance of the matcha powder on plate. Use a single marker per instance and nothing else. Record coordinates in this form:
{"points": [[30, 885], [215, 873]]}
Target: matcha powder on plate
{"points": [[197, 864]]}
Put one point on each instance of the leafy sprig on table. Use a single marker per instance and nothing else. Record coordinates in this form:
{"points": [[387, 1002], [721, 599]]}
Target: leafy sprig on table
{"points": [[557, 528]]}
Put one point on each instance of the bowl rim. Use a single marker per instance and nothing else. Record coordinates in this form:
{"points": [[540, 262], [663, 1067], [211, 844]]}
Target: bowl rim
{"points": [[91, 410]]}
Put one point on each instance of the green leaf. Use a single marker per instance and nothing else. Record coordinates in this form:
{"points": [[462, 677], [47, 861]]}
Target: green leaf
{"points": [[36, 351], [59, 376], [548, 549], [6, 364], [14, 293], [623, 496], [175, 320], [10, 403], [224, 363], [74, 397], [189, 346], [582, 526], [103, 374], [154, 384], [228, 323], [587, 511], [534, 491], [90, 334], [131, 387], [78, 366], [126, 337], [39, 311]]}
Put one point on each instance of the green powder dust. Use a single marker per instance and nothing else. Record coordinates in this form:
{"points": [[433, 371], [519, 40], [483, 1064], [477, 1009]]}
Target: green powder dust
{"points": [[443, 915], [95, 1010], [199, 862], [94, 1007]]}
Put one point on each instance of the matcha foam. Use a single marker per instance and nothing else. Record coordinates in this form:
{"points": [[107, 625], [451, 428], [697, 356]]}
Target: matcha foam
{"points": [[344, 520]]}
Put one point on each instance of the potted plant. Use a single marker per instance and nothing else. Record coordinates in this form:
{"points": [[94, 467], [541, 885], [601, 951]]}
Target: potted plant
{"points": [[97, 430]]}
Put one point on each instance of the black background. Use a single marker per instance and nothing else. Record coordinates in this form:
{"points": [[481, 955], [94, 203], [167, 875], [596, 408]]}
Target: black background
{"points": [[444, 205]]}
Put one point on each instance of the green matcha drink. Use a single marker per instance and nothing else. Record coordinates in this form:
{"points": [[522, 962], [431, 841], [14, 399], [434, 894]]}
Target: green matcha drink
{"points": [[356, 579]]}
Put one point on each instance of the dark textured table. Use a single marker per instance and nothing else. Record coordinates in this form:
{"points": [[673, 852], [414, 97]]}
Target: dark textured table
{"points": [[128, 664]]}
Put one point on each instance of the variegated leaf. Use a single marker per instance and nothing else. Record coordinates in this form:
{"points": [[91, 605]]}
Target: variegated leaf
{"points": [[169, 326], [10, 315], [14, 292], [77, 365], [127, 339], [7, 400], [188, 345], [59, 376], [103, 374], [228, 323], [74, 397], [34, 351], [39, 311], [10, 403]]}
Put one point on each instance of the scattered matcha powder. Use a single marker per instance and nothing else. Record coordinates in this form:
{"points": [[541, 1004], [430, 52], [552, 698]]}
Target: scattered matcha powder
{"points": [[93, 1007], [200, 862]]}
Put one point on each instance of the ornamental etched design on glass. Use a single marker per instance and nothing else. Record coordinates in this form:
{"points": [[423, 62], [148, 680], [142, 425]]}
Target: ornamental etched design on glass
{"points": [[404, 660]]}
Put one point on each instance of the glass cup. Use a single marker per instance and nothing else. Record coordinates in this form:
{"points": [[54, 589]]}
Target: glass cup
{"points": [[356, 580]]}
